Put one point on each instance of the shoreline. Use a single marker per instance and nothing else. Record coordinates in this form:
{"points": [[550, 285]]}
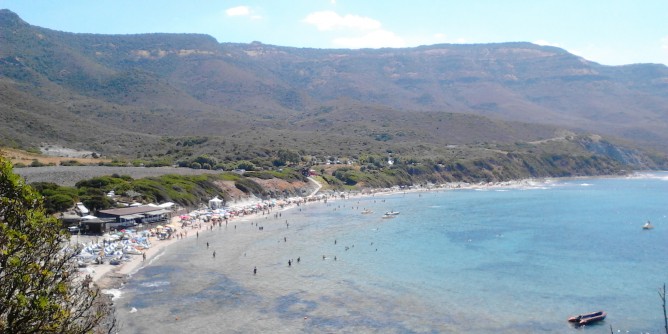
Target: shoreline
{"points": [[109, 277]]}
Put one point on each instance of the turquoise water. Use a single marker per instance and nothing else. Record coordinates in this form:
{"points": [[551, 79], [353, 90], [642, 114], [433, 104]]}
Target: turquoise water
{"points": [[500, 260]]}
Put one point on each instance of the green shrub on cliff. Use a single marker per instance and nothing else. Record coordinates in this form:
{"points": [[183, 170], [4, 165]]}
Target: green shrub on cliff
{"points": [[41, 290]]}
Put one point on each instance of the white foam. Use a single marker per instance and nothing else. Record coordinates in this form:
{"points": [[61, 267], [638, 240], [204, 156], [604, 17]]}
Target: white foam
{"points": [[115, 293], [656, 176], [154, 284]]}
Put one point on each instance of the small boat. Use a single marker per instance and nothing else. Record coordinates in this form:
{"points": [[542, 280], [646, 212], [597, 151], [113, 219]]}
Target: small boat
{"points": [[391, 213], [587, 318], [648, 226], [386, 216], [367, 211]]}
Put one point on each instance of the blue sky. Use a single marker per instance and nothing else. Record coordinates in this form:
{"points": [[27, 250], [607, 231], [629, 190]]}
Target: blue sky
{"points": [[611, 32]]}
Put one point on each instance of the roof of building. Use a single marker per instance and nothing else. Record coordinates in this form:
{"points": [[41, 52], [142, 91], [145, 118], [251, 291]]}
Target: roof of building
{"points": [[82, 208], [133, 210]]}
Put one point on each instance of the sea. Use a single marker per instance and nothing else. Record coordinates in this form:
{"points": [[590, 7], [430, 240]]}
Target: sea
{"points": [[519, 258]]}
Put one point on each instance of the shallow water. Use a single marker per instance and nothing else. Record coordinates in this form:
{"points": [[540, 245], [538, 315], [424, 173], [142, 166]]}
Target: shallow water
{"points": [[513, 260]]}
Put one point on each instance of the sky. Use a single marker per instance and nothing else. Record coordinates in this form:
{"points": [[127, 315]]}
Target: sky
{"points": [[610, 32]]}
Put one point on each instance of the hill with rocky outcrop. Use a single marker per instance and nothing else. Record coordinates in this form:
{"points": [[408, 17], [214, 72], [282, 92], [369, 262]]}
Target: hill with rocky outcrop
{"points": [[147, 95]]}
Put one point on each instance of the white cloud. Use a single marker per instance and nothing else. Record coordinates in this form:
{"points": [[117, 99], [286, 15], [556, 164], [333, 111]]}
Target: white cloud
{"points": [[375, 39], [363, 32], [238, 11], [329, 20], [663, 56]]}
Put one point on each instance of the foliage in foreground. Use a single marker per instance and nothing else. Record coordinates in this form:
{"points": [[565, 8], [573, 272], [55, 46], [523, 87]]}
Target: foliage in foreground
{"points": [[41, 291]]}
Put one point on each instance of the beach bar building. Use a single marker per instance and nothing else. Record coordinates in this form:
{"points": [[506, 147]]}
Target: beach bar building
{"points": [[117, 219]]}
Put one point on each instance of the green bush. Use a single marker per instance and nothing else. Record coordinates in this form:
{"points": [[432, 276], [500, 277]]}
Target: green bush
{"points": [[71, 163]]}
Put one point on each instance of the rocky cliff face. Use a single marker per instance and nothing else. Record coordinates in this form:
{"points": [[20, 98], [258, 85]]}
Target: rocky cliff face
{"points": [[623, 155]]}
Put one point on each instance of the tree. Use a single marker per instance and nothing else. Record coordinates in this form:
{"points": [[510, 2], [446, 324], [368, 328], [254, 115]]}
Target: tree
{"points": [[286, 156], [205, 159], [40, 291], [246, 165]]}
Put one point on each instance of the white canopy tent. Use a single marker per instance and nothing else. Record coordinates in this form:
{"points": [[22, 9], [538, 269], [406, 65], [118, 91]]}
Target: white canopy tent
{"points": [[216, 203], [166, 205]]}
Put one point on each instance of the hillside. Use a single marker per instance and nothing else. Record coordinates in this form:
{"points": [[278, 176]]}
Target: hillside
{"points": [[144, 96]]}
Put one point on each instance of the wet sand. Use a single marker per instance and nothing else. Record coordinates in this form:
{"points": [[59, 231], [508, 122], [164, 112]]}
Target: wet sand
{"points": [[240, 247]]}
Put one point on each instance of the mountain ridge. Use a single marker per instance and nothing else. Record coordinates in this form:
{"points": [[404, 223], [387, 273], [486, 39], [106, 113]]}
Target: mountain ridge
{"points": [[150, 87]]}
